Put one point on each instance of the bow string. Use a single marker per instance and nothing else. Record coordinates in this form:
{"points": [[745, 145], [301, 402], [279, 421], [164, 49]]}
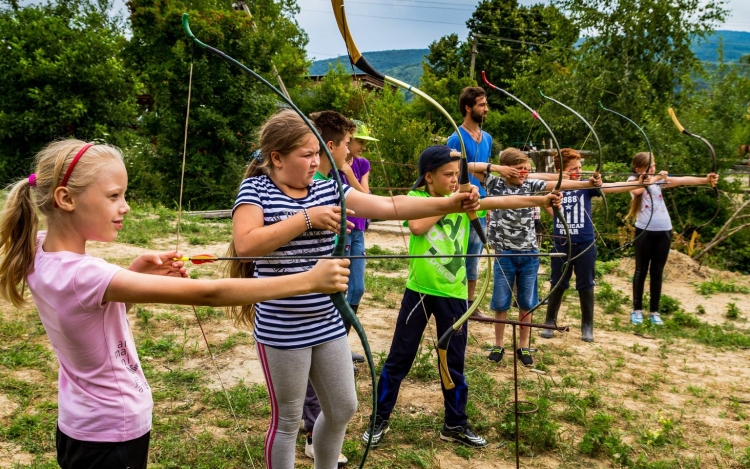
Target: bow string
{"points": [[713, 170], [558, 184], [650, 161], [338, 299], [358, 60]]}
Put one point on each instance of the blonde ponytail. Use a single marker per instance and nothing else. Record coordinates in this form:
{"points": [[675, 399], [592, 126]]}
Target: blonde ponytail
{"points": [[18, 226]]}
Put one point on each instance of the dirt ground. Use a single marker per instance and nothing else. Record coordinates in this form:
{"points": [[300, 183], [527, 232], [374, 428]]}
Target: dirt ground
{"points": [[678, 366]]}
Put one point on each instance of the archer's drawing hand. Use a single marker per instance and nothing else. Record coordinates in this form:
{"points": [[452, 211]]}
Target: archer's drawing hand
{"points": [[508, 172], [328, 218], [330, 275], [160, 263], [712, 178], [566, 174], [553, 199]]}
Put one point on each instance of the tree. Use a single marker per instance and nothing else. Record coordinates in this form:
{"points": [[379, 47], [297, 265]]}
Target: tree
{"points": [[227, 105], [61, 75], [508, 35]]}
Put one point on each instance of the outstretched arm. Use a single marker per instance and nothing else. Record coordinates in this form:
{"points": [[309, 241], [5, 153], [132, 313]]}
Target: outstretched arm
{"points": [[520, 201], [328, 276], [619, 187], [710, 179], [403, 207], [478, 170]]}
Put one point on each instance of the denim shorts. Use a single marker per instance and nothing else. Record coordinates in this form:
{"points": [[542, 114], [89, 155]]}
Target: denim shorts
{"points": [[475, 247], [518, 271]]}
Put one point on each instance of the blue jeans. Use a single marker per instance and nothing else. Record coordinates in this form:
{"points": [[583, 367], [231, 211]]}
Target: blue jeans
{"points": [[521, 271], [355, 244], [475, 247]]}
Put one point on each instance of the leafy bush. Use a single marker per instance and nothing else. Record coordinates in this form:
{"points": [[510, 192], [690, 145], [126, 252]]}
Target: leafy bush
{"points": [[718, 286]]}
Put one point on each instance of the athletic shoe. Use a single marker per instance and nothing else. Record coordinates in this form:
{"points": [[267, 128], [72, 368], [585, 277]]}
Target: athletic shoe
{"points": [[310, 453], [381, 428], [636, 317], [463, 435], [357, 358], [656, 319], [524, 355], [496, 354]]}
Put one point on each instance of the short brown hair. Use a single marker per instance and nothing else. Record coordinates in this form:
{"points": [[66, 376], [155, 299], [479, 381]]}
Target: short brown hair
{"points": [[333, 126], [513, 156], [469, 97], [568, 155]]}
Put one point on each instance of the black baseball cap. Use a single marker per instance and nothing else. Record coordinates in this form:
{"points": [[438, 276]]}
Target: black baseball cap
{"points": [[432, 158]]}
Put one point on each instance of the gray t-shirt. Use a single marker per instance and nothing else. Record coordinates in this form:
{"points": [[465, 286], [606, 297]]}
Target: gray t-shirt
{"points": [[512, 230]]}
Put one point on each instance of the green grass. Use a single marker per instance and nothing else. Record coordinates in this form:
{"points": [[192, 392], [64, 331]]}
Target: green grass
{"points": [[146, 223], [719, 286]]}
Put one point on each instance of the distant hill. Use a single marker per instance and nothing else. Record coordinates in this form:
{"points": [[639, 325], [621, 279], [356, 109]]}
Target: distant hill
{"points": [[406, 65], [736, 44]]}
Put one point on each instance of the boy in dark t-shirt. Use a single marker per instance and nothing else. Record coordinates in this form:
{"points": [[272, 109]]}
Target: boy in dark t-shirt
{"points": [[576, 208]]}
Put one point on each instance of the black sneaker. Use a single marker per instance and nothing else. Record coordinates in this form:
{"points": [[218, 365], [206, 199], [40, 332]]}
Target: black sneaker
{"points": [[524, 355], [381, 428], [496, 354], [357, 358], [462, 435]]}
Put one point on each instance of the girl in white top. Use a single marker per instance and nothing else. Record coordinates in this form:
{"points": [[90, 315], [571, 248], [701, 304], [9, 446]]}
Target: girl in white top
{"points": [[103, 396], [652, 249]]}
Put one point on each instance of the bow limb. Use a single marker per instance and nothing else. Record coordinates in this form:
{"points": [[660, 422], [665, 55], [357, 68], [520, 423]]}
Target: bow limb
{"points": [[650, 160], [598, 144], [556, 210], [361, 63], [713, 170], [338, 299]]}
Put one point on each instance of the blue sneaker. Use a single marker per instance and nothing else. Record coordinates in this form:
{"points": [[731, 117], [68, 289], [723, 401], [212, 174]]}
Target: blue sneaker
{"points": [[656, 319], [636, 317]]}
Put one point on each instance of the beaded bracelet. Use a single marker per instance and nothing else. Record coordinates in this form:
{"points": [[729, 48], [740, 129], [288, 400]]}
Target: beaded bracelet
{"points": [[307, 219]]}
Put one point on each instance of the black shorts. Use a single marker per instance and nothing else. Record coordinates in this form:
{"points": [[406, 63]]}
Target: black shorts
{"points": [[77, 454]]}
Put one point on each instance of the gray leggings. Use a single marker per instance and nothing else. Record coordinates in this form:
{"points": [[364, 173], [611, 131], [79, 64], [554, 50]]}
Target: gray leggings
{"points": [[329, 367]]}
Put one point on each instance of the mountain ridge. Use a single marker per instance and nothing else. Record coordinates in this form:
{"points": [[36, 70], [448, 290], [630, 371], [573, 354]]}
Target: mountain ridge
{"points": [[406, 64]]}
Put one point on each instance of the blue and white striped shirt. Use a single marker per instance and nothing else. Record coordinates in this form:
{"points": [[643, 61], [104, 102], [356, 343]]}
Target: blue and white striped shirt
{"points": [[305, 320]]}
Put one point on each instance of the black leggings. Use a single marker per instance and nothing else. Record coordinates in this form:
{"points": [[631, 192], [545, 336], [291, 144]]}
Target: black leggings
{"points": [[651, 248]]}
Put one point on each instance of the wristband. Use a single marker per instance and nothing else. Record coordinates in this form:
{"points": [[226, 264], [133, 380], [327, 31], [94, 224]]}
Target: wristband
{"points": [[307, 219]]}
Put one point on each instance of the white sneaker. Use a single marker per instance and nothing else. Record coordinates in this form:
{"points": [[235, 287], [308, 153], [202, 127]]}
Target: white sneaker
{"points": [[310, 453]]}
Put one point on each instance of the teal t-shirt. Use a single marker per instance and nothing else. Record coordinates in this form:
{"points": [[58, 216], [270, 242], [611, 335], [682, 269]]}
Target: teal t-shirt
{"points": [[436, 276]]}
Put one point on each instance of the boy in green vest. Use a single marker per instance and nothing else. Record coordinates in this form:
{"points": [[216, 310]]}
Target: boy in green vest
{"points": [[437, 286]]}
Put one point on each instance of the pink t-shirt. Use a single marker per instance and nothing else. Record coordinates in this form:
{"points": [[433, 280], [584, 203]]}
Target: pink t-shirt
{"points": [[102, 393]]}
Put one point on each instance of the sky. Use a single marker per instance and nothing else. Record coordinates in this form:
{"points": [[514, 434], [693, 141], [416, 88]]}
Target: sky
{"points": [[410, 24], [414, 24]]}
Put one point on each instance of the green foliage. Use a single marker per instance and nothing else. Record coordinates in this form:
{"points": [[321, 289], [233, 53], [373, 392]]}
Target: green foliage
{"points": [[611, 300], [334, 92], [719, 286], [733, 312], [386, 265], [602, 437], [667, 304], [61, 75], [227, 105], [425, 366]]}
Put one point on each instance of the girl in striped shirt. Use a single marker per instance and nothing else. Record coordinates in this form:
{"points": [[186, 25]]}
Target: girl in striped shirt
{"points": [[281, 211]]}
